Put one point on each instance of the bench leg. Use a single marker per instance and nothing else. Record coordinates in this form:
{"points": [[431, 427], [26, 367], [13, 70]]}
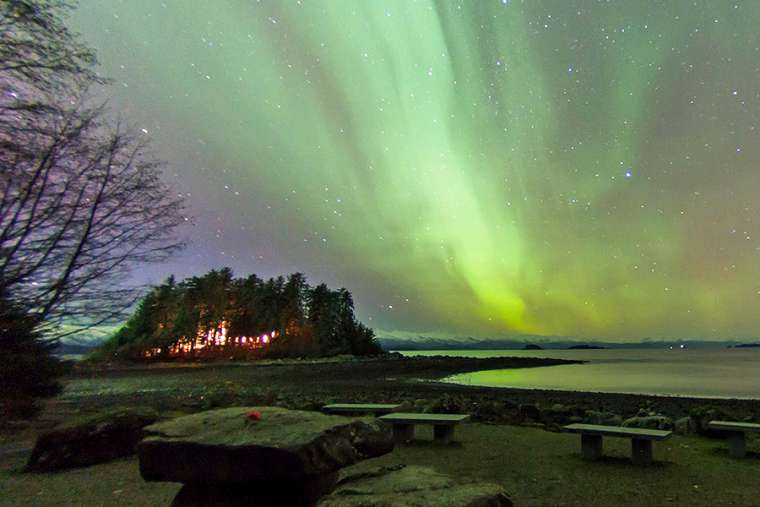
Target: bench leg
{"points": [[591, 446], [737, 446], [443, 433], [403, 433], [641, 451]]}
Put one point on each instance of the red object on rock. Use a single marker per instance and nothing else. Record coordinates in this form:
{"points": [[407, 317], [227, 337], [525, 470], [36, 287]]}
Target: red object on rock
{"points": [[254, 415]]}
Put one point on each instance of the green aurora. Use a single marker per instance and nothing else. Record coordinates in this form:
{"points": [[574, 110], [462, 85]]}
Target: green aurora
{"points": [[483, 168]]}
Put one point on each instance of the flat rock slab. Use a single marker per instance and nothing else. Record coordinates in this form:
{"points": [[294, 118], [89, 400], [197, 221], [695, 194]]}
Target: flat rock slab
{"points": [[243, 444], [412, 486]]}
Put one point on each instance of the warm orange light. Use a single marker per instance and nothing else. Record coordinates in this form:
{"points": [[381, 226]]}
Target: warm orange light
{"points": [[211, 339]]}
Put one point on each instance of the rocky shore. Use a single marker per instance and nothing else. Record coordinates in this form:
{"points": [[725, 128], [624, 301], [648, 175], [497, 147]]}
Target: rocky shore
{"points": [[310, 384]]}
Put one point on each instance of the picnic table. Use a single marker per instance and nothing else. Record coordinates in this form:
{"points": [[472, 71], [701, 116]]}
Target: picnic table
{"points": [[641, 440], [361, 408], [443, 425], [737, 440]]}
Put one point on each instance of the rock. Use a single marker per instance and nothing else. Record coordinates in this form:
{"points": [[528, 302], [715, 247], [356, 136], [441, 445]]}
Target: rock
{"points": [[702, 415], [602, 418], [448, 404], [410, 486], [492, 411], [528, 411], [95, 440], [684, 426], [510, 404], [655, 422], [420, 405], [557, 414], [229, 445]]}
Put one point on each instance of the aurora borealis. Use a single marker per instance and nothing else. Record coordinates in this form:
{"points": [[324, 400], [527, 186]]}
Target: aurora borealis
{"points": [[486, 168]]}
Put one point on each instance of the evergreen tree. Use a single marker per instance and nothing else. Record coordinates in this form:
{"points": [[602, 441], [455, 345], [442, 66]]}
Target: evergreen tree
{"points": [[247, 319], [27, 368], [323, 318], [306, 321]]}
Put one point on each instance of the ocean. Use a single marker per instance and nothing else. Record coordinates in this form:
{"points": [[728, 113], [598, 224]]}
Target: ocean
{"points": [[710, 373]]}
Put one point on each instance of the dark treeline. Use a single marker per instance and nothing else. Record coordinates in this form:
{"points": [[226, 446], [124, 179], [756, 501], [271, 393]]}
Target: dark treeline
{"points": [[207, 316]]}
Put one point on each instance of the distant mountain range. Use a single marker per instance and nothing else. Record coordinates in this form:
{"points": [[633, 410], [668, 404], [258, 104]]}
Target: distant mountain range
{"points": [[542, 342]]}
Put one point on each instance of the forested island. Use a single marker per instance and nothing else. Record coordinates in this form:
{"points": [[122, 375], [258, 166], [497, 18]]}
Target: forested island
{"points": [[219, 316]]}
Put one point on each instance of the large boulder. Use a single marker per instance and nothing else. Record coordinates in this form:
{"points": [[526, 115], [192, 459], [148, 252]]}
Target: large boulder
{"points": [[91, 441], [242, 444], [654, 422], [412, 486]]}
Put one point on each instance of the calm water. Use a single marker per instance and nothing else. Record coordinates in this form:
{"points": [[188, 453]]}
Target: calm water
{"points": [[724, 373]]}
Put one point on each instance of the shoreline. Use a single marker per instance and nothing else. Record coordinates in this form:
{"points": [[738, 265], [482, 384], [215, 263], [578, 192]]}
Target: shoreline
{"points": [[309, 384], [661, 395]]}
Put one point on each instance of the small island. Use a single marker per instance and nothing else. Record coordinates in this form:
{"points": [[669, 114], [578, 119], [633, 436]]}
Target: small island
{"points": [[218, 316]]}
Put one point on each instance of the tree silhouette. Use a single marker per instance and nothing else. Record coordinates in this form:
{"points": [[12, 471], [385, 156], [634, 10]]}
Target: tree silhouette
{"points": [[27, 369], [81, 198], [299, 319]]}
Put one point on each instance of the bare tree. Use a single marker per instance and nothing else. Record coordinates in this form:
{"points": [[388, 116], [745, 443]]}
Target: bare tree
{"points": [[39, 50], [81, 200]]}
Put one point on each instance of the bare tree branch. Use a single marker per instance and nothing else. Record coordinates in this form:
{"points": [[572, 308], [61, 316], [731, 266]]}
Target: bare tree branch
{"points": [[81, 202]]}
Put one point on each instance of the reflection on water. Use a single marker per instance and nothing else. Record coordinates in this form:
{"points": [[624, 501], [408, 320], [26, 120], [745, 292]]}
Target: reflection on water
{"points": [[725, 373]]}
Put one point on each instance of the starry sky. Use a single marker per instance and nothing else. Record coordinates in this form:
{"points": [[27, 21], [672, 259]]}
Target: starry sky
{"points": [[486, 168]]}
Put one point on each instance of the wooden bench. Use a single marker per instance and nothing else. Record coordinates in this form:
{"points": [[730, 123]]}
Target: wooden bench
{"points": [[443, 425], [641, 440], [737, 441], [361, 408]]}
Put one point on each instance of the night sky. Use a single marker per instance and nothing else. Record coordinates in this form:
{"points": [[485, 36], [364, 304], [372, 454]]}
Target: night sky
{"points": [[485, 168]]}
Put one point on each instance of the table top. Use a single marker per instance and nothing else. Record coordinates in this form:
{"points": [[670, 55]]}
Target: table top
{"points": [[406, 417], [734, 425], [361, 407], [618, 431]]}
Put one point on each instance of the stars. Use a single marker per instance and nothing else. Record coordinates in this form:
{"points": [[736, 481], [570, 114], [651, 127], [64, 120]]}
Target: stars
{"points": [[461, 161]]}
